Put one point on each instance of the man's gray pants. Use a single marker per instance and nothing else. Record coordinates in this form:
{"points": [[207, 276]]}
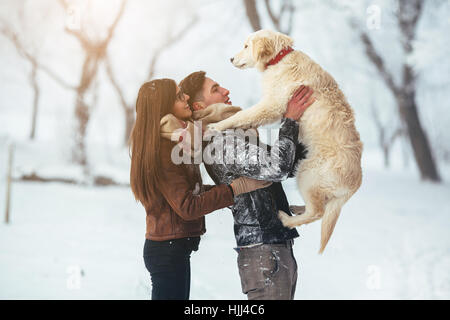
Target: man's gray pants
{"points": [[268, 271]]}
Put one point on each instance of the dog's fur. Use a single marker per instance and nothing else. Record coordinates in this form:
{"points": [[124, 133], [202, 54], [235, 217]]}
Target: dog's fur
{"points": [[331, 173]]}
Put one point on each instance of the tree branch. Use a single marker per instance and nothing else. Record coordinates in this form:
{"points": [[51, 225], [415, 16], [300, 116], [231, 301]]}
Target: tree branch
{"points": [[408, 14], [112, 28], [115, 84], [291, 17], [171, 39], [252, 14], [83, 39], [12, 36], [273, 17], [378, 62], [276, 20]]}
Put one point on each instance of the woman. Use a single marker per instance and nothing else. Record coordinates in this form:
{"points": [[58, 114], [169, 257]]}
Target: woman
{"points": [[173, 195]]}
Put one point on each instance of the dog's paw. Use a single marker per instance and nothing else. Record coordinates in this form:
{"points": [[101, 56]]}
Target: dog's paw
{"points": [[297, 210], [244, 126], [285, 219], [214, 127]]}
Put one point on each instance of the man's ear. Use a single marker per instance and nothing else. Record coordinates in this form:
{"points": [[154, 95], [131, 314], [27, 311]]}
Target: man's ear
{"points": [[198, 105], [262, 48]]}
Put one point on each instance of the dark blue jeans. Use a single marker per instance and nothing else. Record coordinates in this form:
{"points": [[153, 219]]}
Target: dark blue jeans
{"points": [[169, 264]]}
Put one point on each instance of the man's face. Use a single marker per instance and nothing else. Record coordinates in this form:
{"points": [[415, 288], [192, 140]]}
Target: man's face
{"points": [[212, 93]]}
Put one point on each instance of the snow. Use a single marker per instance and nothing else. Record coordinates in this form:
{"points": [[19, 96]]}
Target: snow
{"points": [[84, 242]]}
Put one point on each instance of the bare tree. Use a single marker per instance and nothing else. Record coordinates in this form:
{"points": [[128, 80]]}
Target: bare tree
{"points": [[387, 134], [170, 39], [95, 52], [286, 12], [407, 15], [32, 76], [127, 108], [31, 55]]}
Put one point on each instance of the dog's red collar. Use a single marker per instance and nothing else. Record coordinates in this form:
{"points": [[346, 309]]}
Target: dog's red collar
{"points": [[279, 56]]}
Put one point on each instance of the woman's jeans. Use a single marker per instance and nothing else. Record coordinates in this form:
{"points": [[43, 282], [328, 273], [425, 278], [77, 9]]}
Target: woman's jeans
{"points": [[170, 267]]}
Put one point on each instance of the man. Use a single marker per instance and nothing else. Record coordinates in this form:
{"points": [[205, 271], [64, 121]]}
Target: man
{"points": [[267, 266]]}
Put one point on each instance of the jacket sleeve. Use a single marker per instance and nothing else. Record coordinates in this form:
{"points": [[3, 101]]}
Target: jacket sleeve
{"points": [[177, 191], [258, 161], [300, 153], [207, 187]]}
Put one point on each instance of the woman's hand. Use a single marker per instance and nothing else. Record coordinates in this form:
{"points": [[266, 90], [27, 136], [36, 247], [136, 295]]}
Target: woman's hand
{"points": [[299, 102], [245, 184]]}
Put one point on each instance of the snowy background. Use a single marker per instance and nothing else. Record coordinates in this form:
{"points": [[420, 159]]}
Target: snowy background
{"points": [[84, 241]]}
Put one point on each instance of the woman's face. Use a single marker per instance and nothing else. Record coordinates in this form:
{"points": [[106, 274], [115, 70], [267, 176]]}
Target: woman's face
{"points": [[181, 108]]}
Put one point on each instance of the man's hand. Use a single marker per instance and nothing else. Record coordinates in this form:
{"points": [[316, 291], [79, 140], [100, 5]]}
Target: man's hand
{"points": [[299, 102]]}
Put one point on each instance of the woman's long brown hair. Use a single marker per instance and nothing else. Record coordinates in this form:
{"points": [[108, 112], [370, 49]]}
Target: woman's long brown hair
{"points": [[155, 99]]}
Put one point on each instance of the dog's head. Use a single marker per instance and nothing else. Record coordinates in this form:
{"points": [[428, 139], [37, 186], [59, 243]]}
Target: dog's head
{"points": [[259, 48]]}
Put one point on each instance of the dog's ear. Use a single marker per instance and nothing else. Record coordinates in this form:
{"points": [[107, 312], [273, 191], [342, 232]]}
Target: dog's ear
{"points": [[262, 48], [284, 41]]}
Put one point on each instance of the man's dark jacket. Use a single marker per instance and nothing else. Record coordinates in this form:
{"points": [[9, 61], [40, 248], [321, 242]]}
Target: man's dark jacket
{"points": [[234, 154]]}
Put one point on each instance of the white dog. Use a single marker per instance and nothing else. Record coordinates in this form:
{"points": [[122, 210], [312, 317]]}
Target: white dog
{"points": [[331, 173]]}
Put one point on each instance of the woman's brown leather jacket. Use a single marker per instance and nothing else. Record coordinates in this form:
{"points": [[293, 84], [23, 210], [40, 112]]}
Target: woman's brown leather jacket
{"points": [[180, 209]]}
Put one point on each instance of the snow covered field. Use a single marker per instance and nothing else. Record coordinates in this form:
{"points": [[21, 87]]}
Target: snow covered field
{"points": [[73, 242]]}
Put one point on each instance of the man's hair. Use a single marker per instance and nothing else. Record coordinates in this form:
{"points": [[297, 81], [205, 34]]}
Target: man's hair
{"points": [[192, 85]]}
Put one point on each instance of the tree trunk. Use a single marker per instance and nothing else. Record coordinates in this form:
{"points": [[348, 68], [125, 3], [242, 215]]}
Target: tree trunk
{"points": [[252, 14], [95, 51], [406, 101], [286, 13], [34, 83], [82, 109], [419, 142], [129, 122], [82, 116], [386, 150], [408, 15]]}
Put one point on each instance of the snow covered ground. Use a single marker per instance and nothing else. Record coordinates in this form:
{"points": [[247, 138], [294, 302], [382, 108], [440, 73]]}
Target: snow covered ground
{"points": [[73, 242]]}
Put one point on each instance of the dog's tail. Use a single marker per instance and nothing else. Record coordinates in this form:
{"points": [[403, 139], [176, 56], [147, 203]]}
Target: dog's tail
{"points": [[329, 219]]}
